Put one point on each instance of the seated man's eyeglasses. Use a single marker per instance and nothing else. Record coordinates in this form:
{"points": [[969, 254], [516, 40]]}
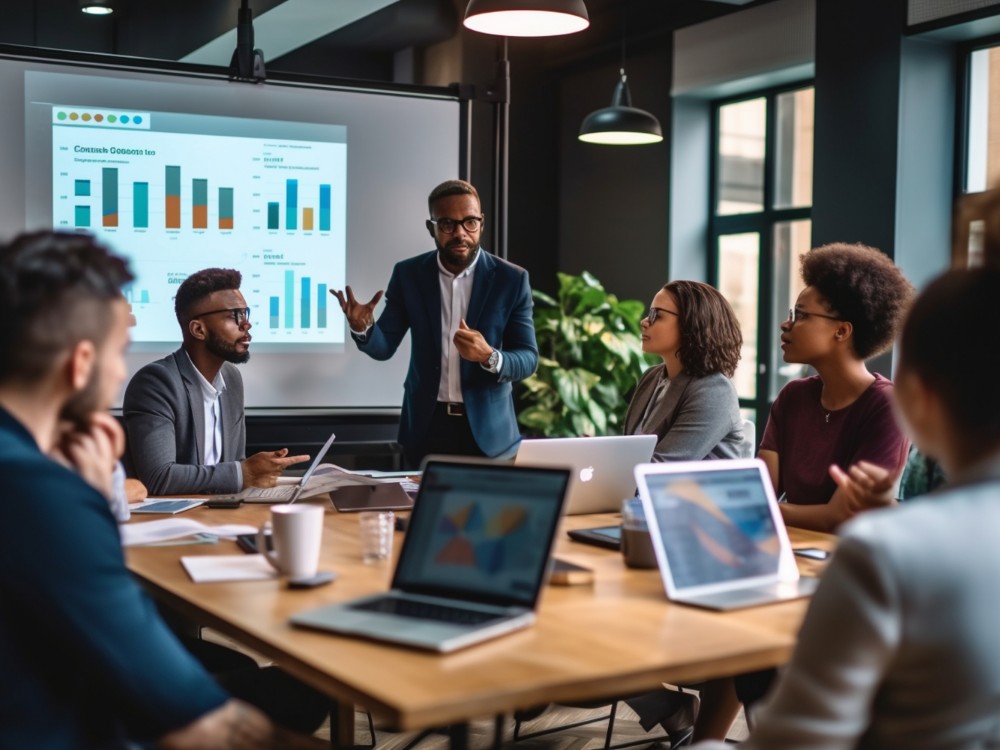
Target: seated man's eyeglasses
{"points": [[795, 315], [240, 314], [470, 224]]}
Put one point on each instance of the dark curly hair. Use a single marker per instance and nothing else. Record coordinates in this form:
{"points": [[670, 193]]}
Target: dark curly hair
{"points": [[199, 285], [947, 341], [56, 290], [863, 286], [710, 333]]}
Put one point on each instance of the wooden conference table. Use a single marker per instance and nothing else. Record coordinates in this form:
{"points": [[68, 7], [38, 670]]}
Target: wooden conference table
{"points": [[615, 637]]}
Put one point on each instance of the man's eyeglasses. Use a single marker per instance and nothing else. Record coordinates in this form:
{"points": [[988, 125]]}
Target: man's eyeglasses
{"points": [[795, 315], [470, 224], [240, 314], [654, 312]]}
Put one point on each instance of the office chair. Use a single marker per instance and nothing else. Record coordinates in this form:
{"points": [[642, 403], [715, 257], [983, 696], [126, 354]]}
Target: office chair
{"points": [[523, 716]]}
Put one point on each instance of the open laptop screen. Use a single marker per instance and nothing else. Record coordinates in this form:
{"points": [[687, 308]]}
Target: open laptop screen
{"points": [[716, 525], [481, 532]]}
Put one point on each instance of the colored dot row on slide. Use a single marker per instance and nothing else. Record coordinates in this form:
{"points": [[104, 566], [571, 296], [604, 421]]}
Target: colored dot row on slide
{"points": [[87, 117]]}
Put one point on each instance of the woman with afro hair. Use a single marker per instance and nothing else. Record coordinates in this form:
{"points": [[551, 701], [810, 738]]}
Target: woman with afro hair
{"points": [[853, 302]]}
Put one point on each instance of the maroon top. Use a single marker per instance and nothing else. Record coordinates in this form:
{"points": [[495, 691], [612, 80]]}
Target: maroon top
{"points": [[807, 441]]}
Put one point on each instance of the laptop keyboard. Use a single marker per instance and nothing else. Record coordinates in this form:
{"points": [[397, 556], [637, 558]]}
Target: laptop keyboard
{"points": [[427, 611]]}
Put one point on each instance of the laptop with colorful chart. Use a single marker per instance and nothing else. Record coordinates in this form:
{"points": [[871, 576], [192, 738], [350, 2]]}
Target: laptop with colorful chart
{"points": [[718, 535], [601, 468], [473, 560]]}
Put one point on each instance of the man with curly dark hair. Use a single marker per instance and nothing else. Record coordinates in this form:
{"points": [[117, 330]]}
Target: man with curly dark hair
{"points": [[854, 300]]}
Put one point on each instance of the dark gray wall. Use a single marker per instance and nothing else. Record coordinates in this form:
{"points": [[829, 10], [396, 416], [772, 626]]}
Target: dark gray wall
{"points": [[614, 200]]}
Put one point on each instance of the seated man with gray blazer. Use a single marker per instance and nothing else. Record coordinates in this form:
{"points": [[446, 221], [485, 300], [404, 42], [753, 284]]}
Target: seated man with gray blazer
{"points": [[184, 421]]}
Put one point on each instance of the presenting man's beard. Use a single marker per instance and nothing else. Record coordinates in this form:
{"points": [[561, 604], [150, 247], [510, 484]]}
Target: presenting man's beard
{"points": [[225, 349], [85, 402]]}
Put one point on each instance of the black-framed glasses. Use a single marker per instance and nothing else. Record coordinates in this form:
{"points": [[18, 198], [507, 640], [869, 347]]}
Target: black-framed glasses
{"points": [[240, 314], [654, 312], [795, 315], [470, 224]]}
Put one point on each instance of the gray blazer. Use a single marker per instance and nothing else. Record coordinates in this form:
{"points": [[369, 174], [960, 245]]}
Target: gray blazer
{"points": [[698, 418], [165, 429], [899, 648]]}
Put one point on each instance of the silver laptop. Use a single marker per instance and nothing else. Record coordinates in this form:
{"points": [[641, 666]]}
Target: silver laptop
{"points": [[718, 535], [601, 467], [473, 559], [288, 489]]}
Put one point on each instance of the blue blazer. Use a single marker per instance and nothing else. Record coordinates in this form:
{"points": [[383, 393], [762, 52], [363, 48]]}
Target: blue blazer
{"points": [[499, 308]]}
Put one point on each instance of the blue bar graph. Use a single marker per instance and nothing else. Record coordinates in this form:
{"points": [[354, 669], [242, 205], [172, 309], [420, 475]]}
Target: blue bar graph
{"points": [[291, 203], [275, 321], [324, 208], [289, 299], [82, 216], [140, 205], [305, 283], [321, 306], [81, 187]]}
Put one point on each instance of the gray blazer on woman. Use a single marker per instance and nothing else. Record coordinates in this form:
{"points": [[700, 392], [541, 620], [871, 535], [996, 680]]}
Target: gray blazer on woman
{"points": [[698, 418], [164, 413]]}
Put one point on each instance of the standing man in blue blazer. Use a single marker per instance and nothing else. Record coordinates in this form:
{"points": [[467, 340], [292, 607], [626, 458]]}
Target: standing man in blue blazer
{"points": [[469, 314]]}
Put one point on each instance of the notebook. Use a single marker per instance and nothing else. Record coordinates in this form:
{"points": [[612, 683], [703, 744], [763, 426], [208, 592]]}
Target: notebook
{"points": [[291, 489], [472, 563], [718, 535], [601, 467]]}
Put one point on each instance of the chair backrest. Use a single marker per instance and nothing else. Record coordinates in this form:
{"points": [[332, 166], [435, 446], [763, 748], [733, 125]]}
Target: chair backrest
{"points": [[749, 439]]}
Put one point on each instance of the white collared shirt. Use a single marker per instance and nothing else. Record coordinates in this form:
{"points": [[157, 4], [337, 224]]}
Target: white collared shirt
{"points": [[213, 416], [455, 293]]}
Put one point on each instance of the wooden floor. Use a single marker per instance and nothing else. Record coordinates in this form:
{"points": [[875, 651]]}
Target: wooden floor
{"points": [[589, 736]]}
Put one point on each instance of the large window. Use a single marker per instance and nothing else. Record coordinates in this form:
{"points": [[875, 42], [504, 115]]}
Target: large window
{"points": [[760, 226], [982, 156]]}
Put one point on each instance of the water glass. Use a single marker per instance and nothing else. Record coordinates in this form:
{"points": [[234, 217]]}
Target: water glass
{"points": [[377, 530]]}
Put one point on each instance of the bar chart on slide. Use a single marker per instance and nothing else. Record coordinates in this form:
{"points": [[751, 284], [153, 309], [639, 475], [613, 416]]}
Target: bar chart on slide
{"points": [[306, 219], [273, 208], [301, 303]]}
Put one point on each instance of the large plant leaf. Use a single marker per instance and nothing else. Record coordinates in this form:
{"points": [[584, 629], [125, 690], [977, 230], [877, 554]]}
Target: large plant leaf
{"points": [[590, 355]]}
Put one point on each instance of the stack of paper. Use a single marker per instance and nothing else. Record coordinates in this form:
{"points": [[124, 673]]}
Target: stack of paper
{"points": [[151, 532]]}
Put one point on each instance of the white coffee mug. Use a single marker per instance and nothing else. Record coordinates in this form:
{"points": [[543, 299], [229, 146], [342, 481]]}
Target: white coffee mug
{"points": [[296, 533]]}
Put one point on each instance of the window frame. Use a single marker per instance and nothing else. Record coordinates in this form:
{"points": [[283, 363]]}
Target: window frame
{"points": [[763, 223]]}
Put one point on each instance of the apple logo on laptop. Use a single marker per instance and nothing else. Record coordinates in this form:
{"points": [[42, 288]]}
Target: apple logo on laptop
{"points": [[586, 473]]}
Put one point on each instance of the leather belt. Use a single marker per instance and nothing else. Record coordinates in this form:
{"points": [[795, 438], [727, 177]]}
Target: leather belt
{"points": [[452, 409]]}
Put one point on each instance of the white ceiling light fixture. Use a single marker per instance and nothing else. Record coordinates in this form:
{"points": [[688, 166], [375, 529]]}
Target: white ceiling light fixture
{"points": [[526, 17], [97, 7]]}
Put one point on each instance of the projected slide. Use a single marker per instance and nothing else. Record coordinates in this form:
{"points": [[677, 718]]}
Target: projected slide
{"points": [[181, 192]]}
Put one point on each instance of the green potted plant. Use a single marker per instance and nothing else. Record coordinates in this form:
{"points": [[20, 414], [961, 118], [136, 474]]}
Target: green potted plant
{"points": [[590, 358]]}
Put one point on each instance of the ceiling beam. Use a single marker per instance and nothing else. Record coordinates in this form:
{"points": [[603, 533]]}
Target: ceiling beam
{"points": [[287, 27]]}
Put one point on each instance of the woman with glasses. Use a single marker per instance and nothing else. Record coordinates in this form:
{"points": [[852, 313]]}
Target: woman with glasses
{"points": [[853, 301], [689, 401]]}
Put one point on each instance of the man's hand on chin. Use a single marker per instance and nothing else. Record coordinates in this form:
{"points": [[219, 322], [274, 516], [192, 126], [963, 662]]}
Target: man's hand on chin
{"points": [[92, 450]]}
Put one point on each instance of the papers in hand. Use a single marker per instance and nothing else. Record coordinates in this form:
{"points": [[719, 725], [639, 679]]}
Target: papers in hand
{"points": [[151, 532], [212, 568], [325, 478]]}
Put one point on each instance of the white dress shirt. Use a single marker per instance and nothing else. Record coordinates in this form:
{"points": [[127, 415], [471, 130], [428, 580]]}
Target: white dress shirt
{"points": [[456, 290], [213, 416]]}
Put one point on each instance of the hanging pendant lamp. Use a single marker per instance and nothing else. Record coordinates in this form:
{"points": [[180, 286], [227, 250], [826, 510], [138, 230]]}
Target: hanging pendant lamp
{"points": [[621, 124], [526, 17]]}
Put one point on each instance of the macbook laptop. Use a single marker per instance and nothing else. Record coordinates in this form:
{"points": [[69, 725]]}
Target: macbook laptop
{"points": [[288, 489], [718, 535], [601, 467], [473, 560]]}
